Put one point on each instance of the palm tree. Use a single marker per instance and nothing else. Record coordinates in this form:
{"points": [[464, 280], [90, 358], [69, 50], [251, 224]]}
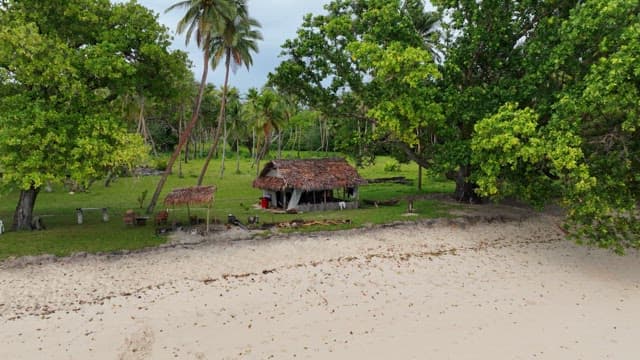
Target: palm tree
{"points": [[426, 24], [233, 115], [205, 18], [270, 115], [235, 43], [249, 115]]}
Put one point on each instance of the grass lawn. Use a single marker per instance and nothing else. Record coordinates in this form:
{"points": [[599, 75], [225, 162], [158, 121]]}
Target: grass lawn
{"points": [[235, 195]]}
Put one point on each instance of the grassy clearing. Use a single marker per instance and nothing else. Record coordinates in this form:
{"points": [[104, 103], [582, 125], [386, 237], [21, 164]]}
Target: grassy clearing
{"points": [[235, 195]]}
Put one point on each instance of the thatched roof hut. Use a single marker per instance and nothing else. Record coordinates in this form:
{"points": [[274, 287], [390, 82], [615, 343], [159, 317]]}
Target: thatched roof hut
{"points": [[196, 195], [308, 175], [292, 180], [191, 195]]}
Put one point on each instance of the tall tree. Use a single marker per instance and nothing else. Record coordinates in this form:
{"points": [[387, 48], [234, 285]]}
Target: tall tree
{"points": [[578, 141], [205, 18], [269, 115], [327, 66], [61, 71], [235, 43], [232, 124]]}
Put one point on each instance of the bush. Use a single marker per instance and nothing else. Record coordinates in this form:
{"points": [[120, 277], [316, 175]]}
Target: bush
{"points": [[392, 166], [161, 164]]}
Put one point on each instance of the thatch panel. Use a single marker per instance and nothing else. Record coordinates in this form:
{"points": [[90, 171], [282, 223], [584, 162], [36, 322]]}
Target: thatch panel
{"points": [[308, 175], [191, 195], [269, 183]]}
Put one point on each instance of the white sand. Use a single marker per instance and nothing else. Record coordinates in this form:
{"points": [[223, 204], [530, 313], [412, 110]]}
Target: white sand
{"points": [[513, 290]]}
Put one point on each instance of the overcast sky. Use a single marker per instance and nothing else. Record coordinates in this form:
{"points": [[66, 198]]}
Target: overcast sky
{"points": [[279, 18]]}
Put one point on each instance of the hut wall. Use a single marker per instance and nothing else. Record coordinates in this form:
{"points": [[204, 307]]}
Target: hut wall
{"points": [[325, 207]]}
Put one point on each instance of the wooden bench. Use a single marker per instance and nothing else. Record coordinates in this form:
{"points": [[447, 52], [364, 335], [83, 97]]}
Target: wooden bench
{"points": [[80, 214]]}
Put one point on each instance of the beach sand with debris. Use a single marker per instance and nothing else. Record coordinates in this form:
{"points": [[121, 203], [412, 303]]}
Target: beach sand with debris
{"points": [[443, 289]]}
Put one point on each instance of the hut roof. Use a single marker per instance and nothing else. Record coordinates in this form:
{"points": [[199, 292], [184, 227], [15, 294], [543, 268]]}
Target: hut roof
{"points": [[308, 175], [190, 195]]}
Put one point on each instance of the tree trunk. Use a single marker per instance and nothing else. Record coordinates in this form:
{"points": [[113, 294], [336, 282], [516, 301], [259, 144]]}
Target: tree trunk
{"points": [[221, 119], [465, 190], [183, 138], [224, 149], [179, 135], [143, 128], [279, 144], [237, 156], [23, 216]]}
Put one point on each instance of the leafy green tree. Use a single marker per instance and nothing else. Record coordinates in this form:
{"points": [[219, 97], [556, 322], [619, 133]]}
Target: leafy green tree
{"points": [[235, 42], [350, 60], [581, 145], [338, 63], [57, 119], [135, 32], [206, 18]]}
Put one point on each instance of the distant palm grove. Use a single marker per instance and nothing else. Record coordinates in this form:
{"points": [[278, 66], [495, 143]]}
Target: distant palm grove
{"points": [[534, 100]]}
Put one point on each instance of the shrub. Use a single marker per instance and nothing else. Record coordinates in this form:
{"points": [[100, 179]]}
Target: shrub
{"points": [[392, 166]]}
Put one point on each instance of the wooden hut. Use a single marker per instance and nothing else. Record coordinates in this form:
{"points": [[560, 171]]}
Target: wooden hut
{"points": [[196, 195], [309, 184]]}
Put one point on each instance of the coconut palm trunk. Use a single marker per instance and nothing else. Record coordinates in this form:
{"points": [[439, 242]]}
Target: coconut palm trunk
{"points": [[183, 138], [221, 118]]}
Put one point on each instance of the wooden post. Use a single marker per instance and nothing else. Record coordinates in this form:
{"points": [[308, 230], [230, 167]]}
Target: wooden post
{"points": [[80, 216], [324, 200], [208, 213]]}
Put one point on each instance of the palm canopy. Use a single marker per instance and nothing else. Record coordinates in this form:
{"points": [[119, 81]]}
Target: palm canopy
{"points": [[237, 41], [205, 17]]}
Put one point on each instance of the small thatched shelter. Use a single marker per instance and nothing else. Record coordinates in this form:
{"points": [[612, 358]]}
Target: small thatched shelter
{"points": [[196, 195], [310, 184]]}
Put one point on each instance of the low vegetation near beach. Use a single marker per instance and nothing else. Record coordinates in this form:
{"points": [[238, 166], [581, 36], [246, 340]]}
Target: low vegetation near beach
{"points": [[235, 195]]}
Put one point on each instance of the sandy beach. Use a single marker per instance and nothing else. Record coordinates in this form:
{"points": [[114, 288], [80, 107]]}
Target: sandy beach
{"points": [[513, 289]]}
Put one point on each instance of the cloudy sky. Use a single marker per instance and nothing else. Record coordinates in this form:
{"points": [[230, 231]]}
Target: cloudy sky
{"points": [[279, 18]]}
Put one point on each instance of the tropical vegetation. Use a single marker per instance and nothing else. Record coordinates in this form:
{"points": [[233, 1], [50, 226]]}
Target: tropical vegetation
{"points": [[532, 100]]}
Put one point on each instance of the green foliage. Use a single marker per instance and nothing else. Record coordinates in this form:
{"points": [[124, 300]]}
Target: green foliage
{"points": [[64, 92], [141, 198], [392, 166], [364, 66], [51, 124], [580, 144], [405, 78], [510, 147], [235, 195]]}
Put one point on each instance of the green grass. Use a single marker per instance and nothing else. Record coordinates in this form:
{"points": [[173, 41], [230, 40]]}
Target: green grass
{"points": [[235, 195]]}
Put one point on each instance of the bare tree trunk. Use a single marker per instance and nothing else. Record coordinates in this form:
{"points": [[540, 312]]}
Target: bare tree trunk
{"points": [[298, 139], [237, 156], [221, 119], [419, 166], [279, 144], [143, 128], [224, 149], [263, 151], [183, 138], [253, 145], [23, 215], [179, 135]]}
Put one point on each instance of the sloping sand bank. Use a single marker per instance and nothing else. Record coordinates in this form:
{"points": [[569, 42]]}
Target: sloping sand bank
{"points": [[505, 290]]}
